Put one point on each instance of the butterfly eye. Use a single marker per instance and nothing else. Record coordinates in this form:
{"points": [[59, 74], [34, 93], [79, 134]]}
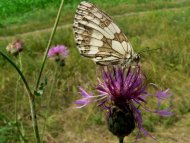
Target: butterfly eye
{"points": [[137, 58]]}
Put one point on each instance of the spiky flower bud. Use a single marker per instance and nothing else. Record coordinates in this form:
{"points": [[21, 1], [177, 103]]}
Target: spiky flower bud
{"points": [[120, 121], [122, 92]]}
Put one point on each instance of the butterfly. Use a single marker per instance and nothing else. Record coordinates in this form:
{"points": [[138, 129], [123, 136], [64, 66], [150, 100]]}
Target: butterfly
{"points": [[99, 38]]}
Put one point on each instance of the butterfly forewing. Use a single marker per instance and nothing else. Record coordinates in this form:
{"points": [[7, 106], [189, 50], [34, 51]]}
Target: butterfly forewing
{"points": [[98, 37]]}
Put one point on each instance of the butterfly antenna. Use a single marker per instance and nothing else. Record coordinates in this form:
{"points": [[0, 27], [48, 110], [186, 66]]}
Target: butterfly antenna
{"points": [[148, 50]]}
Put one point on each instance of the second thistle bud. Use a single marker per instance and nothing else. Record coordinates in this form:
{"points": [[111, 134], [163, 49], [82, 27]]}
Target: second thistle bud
{"points": [[15, 47], [120, 121]]}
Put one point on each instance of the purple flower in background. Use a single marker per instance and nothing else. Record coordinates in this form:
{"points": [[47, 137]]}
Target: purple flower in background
{"points": [[59, 53], [123, 93], [15, 47], [59, 50]]}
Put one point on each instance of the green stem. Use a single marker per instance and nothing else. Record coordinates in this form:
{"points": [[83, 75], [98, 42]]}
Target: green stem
{"points": [[22, 136], [18, 70], [49, 44], [20, 61], [49, 101], [34, 117], [31, 98], [121, 139], [16, 102]]}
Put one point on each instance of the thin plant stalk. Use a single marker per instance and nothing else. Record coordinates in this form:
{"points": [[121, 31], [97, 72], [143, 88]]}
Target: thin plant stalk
{"points": [[49, 43], [121, 139], [31, 98], [49, 100], [16, 102]]}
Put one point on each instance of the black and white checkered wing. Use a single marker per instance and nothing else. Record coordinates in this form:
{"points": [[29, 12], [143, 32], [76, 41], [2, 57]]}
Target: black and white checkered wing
{"points": [[98, 37]]}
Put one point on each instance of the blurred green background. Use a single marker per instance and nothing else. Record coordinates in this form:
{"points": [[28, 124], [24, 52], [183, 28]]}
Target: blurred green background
{"points": [[161, 24]]}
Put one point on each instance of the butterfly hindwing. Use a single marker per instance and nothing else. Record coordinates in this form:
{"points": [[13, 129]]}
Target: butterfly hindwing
{"points": [[98, 37]]}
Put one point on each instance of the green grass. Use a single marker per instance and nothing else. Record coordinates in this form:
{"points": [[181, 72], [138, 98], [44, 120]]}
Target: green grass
{"points": [[149, 25], [17, 8], [33, 18]]}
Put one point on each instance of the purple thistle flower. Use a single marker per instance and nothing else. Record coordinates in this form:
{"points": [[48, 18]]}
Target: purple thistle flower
{"points": [[59, 50], [122, 93], [59, 53]]}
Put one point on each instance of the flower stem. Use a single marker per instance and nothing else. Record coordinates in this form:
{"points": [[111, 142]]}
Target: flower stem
{"points": [[121, 139], [16, 102], [49, 43], [49, 101], [31, 97], [18, 70], [34, 117]]}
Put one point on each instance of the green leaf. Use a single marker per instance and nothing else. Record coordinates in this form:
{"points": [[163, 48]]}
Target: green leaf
{"points": [[41, 88]]}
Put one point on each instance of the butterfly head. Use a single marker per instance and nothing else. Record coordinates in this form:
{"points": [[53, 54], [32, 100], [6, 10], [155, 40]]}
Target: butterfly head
{"points": [[136, 58]]}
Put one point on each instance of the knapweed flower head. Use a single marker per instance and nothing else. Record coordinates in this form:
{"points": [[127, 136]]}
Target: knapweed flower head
{"points": [[123, 93], [15, 47], [59, 53]]}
